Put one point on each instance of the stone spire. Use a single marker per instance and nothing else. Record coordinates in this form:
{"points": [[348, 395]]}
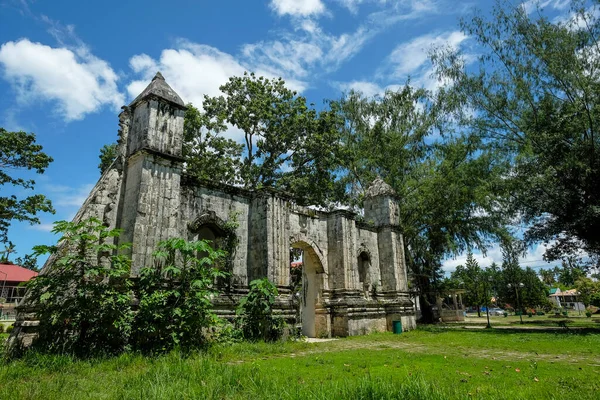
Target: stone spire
{"points": [[379, 188], [161, 89]]}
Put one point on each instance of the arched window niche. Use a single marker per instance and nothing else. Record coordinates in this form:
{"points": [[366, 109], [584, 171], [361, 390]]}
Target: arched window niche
{"points": [[208, 226]]}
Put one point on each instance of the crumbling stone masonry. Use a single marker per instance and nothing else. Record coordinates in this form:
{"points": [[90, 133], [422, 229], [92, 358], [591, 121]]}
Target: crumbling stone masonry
{"points": [[354, 273]]}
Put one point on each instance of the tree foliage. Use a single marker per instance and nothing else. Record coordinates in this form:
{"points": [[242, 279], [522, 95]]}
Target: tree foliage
{"points": [[255, 312], [471, 278], [518, 287], [175, 296], [83, 302], [108, 154], [287, 144], [446, 181], [534, 98], [589, 291], [208, 154], [19, 151]]}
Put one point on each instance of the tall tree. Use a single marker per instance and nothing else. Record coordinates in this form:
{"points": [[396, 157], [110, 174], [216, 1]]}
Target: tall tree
{"points": [[446, 180], [589, 291], [207, 153], [570, 272], [518, 287], [470, 277], [534, 96], [287, 144], [19, 151], [548, 276]]}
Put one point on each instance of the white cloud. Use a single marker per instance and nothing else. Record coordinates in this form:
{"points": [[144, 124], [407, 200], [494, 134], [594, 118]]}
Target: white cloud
{"points": [[41, 227], [368, 89], [351, 5], [532, 5], [303, 8], [309, 50], [301, 54], [194, 70], [67, 197], [298, 55], [411, 59], [78, 81], [533, 258]]}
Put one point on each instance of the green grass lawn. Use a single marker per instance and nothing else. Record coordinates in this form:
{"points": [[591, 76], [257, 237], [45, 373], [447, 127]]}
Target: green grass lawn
{"points": [[423, 364]]}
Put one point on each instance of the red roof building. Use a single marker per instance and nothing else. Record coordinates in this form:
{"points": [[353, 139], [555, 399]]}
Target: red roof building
{"points": [[12, 279]]}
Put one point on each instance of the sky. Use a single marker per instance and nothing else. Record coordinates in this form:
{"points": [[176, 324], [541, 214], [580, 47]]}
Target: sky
{"points": [[67, 67]]}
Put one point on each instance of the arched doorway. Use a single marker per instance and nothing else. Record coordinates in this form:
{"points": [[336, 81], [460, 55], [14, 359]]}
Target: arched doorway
{"points": [[307, 284]]}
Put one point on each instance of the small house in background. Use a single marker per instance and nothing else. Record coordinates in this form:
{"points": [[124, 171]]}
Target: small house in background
{"points": [[569, 299], [12, 280]]}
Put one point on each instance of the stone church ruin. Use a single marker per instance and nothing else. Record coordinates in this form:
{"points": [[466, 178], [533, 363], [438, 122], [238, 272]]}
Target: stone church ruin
{"points": [[353, 273]]}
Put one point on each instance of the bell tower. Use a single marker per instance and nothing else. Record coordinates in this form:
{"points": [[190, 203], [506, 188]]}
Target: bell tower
{"points": [[153, 166]]}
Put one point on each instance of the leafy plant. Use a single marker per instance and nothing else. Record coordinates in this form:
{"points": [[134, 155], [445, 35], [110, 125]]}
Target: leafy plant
{"points": [[83, 302], [175, 294], [255, 312]]}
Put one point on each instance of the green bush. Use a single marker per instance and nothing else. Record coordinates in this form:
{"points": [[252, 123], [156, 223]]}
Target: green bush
{"points": [[175, 308], [1, 328], [83, 303], [10, 328], [255, 312]]}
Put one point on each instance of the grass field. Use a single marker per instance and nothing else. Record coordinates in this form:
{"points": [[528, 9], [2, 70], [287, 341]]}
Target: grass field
{"points": [[424, 364]]}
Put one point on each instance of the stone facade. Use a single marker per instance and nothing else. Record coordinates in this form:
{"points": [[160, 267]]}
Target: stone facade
{"points": [[354, 273]]}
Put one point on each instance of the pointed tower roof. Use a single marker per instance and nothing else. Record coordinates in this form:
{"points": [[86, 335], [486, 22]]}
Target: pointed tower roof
{"points": [[379, 188], [159, 88]]}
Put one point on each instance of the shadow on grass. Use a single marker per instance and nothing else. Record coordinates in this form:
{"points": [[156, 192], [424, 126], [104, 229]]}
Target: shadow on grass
{"points": [[507, 330]]}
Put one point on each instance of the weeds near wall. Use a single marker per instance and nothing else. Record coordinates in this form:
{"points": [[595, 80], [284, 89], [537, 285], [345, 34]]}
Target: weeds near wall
{"points": [[175, 296], [255, 312], [84, 303], [230, 245]]}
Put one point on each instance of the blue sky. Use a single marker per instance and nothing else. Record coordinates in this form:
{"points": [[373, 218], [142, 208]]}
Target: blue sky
{"points": [[66, 67]]}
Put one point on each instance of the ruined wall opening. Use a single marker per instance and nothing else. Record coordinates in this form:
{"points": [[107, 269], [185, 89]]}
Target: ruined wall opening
{"points": [[210, 227], [364, 275], [306, 280]]}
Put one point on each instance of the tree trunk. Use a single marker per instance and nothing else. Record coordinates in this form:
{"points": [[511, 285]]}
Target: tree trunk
{"points": [[479, 311], [427, 316]]}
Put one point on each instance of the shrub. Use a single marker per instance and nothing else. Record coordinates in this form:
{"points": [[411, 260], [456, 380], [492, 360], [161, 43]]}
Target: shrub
{"points": [[10, 328], [1, 328], [175, 307], [83, 303], [255, 312]]}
